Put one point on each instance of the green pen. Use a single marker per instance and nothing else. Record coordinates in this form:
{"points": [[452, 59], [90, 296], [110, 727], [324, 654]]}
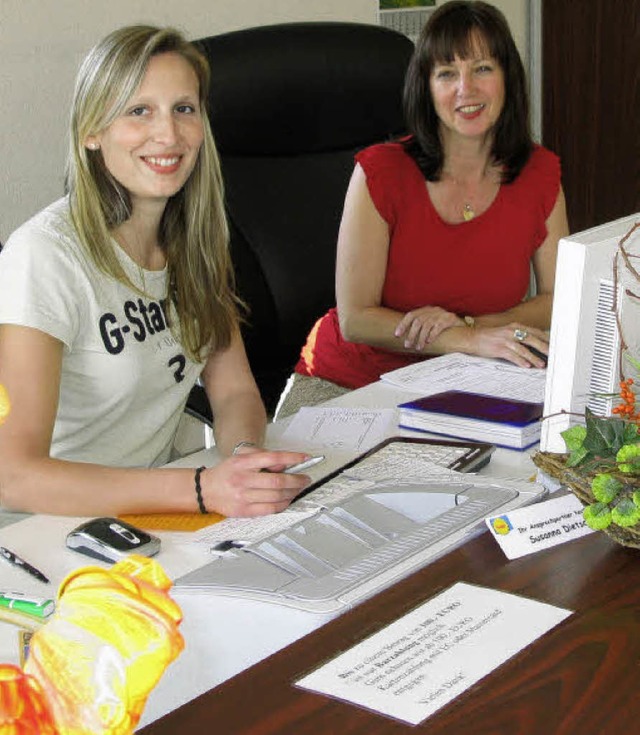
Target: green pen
{"points": [[38, 607]]}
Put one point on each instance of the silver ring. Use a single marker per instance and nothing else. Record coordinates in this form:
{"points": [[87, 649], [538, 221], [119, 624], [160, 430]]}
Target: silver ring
{"points": [[520, 334]]}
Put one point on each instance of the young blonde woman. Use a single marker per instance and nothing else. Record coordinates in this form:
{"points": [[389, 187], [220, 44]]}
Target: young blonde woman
{"points": [[116, 298]]}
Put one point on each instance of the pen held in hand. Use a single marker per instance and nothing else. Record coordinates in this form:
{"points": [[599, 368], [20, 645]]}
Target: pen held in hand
{"points": [[301, 466], [17, 561]]}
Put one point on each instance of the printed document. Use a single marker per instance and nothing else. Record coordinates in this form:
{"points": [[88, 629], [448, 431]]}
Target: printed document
{"points": [[471, 374], [416, 665]]}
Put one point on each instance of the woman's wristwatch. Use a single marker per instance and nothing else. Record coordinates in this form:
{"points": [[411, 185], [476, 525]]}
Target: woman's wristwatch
{"points": [[241, 444]]}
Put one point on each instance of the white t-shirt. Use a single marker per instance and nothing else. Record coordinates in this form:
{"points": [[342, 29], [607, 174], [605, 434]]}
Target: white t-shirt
{"points": [[125, 379]]}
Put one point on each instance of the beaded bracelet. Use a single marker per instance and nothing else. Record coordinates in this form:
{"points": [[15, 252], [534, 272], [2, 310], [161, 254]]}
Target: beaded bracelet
{"points": [[201, 505]]}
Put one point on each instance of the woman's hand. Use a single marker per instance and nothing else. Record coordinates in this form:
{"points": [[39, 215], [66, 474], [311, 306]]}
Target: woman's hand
{"points": [[251, 483], [511, 343], [422, 326]]}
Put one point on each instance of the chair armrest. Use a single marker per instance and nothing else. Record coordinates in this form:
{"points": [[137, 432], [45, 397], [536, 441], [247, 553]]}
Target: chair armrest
{"points": [[198, 405]]}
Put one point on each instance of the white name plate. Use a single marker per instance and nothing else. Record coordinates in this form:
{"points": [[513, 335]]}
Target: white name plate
{"points": [[539, 526], [415, 666]]}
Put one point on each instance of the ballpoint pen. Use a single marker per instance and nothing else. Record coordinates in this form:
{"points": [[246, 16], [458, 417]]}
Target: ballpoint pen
{"points": [[301, 466], [18, 562]]}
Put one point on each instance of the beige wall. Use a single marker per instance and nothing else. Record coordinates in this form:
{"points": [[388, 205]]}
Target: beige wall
{"points": [[41, 45], [43, 41], [516, 13]]}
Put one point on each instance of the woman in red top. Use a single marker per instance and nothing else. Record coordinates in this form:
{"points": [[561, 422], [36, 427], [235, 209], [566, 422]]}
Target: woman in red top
{"points": [[440, 229]]}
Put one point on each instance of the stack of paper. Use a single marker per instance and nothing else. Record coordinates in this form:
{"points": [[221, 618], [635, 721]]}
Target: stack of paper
{"points": [[472, 374], [502, 421]]}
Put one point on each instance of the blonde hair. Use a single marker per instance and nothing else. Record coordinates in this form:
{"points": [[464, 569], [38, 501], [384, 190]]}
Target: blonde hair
{"points": [[193, 229]]}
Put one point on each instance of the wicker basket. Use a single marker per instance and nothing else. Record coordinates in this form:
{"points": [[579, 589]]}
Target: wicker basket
{"points": [[555, 465]]}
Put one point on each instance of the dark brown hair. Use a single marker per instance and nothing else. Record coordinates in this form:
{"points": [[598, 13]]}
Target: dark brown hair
{"points": [[454, 29]]}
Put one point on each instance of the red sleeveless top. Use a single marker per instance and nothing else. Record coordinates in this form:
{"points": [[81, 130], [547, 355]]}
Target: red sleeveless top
{"points": [[477, 267]]}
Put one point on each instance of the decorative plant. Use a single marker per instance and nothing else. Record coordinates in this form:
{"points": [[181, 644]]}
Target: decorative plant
{"points": [[610, 448], [607, 449]]}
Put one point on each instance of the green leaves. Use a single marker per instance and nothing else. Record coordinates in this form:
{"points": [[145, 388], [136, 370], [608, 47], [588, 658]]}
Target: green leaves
{"points": [[597, 516], [628, 458], [574, 438], [602, 437], [635, 363], [606, 443], [577, 457], [605, 487], [605, 436], [626, 513]]}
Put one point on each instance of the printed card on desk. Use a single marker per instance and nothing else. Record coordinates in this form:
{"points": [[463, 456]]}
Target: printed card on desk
{"points": [[540, 526], [415, 666]]}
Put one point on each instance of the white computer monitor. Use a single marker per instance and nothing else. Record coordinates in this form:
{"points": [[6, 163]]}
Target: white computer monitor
{"points": [[596, 311]]}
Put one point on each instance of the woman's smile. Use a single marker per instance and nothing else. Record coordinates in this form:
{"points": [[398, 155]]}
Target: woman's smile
{"points": [[152, 147]]}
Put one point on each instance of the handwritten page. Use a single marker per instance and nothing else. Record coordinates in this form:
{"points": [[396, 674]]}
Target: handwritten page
{"points": [[472, 374], [416, 665], [355, 429]]}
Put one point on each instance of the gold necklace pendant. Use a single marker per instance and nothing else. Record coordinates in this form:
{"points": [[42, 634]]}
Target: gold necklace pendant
{"points": [[467, 213]]}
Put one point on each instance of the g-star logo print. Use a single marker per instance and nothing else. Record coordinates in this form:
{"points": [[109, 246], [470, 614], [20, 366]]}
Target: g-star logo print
{"points": [[143, 320]]}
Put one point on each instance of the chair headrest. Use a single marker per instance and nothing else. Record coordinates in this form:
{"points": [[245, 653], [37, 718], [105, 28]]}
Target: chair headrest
{"points": [[305, 87]]}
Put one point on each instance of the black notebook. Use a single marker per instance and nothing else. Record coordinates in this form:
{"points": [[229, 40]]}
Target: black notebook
{"points": [[502, 421]]}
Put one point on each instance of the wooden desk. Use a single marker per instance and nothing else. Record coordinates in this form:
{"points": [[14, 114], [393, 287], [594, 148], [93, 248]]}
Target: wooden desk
{"points": [[581, 678]]}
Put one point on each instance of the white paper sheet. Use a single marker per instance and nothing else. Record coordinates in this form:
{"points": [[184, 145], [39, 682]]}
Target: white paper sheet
{"points": [[356, 429], [416, 665], [472, 374]]}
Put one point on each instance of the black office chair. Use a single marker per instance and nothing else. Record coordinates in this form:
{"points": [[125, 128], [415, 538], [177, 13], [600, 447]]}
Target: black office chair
{"points": [[289, 106]]}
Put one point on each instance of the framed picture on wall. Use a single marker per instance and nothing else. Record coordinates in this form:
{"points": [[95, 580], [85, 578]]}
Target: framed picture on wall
{"points": [[406, 16], [393, 4]]}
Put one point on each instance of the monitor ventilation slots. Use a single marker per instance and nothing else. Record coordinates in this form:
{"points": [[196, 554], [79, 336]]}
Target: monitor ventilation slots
{"points": [[408, 21]]}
